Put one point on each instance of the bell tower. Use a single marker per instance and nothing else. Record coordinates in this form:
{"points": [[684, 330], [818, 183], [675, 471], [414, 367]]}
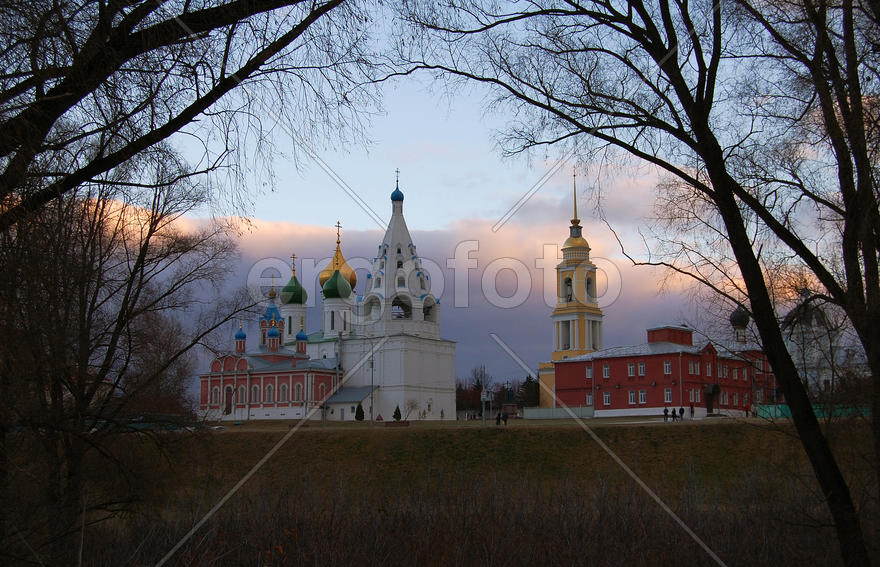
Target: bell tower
{"points": [[577, 319]]}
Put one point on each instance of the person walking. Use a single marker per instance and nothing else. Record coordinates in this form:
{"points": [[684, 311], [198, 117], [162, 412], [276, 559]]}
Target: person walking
{"points": [[692, 411], [498, 419], [504, 418], [665, 414], [681, 413]]}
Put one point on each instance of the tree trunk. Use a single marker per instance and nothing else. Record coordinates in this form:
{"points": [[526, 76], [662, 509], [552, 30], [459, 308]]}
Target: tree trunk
{"points": [[825, 467]]}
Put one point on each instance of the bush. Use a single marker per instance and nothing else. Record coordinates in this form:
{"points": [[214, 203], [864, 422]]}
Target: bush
{"points": [[396, 413], [359, 413]]}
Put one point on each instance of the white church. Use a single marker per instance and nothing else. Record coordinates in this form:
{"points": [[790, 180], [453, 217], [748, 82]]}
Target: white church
{"points": [[381, 350]]}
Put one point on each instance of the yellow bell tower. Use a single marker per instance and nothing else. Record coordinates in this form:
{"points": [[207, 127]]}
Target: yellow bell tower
{"points": [[577, 319]]}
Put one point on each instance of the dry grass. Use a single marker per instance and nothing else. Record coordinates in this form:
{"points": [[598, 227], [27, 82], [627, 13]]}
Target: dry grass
{"points": [[466, 495]]}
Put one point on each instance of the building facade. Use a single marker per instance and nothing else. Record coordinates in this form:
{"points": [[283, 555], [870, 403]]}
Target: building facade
{"points": [[382, 349], [670, 372]]}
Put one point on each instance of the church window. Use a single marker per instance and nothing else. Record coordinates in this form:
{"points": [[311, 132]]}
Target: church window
{"points": [[378, 282], [567, 289], [289, 325], [400, 309], [400, 263], [631, 369], [269, 394], [215, 395], [401, 282], [255, 395], [606, 398], [282, 393], [422, 282], [332, 320], [591, 293], [641, 369], [242, 395], [398, 249], [298, 392]]}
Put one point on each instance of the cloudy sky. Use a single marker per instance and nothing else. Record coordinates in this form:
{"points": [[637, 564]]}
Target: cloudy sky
{"points": [[457, 190]]}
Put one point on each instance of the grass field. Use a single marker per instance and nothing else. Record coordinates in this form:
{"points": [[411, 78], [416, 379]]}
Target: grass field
{"points": [[457, 493]]}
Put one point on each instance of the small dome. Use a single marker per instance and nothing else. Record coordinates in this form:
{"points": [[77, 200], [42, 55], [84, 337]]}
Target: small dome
{"points": [[273, 333], [240, 335], [575, 242], [272, 312], [293, 293], [336, 287], [740, 318], [338, 263], [302, 336], [397, 195]]}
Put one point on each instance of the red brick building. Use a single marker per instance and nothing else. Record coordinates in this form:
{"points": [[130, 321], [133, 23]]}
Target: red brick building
{"points": [[669, 371]]}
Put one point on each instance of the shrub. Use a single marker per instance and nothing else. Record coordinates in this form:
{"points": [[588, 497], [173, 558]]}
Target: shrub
{"points": [[359, 413], [396, 413]]}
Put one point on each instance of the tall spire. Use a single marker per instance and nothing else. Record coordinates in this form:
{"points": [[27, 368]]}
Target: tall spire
{"points": [[575, 221]]}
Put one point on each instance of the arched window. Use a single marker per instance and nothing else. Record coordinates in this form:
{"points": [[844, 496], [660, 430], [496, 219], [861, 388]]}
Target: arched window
{"points": [[398, 249], [332, 320], [215, 395], [401, 309], [255, 395], [282, 393], [567, 289], [401, 281], [242, 395], [400, 263], [298, 392], [591, 290], [322, 391], [269, 394], [378, 282], [227, 402]]}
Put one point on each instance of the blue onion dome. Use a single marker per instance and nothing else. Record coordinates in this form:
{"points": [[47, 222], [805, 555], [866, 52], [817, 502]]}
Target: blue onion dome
{"points": [[336, 287], [293, 293], [302, 336], [397, 195], [273, 333], [272, 311], [240, 335]]}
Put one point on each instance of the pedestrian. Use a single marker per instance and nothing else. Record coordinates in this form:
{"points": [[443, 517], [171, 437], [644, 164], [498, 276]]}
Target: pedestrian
{"points": [[692, 411], [665, 414], [681, 413], [504, 418], [498, 419]]}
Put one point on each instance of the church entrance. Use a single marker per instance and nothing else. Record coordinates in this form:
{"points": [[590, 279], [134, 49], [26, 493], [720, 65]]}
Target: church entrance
{"points": [[227, 409]]}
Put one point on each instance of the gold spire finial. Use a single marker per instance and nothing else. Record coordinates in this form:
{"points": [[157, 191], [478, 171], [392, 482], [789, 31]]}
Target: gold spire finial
{"points": [[272, 293], [397, 178], [293, 262], [302, 323], [338, 225], [575, 221]]}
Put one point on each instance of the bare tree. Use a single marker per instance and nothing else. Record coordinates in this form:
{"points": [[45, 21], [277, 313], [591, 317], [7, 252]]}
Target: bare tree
{"points": [[87, 85], [761, 117], [101, 300]]}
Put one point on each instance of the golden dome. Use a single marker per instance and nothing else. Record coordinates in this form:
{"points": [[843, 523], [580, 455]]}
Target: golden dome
{"points": [[575, 242], [338, 263]]}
